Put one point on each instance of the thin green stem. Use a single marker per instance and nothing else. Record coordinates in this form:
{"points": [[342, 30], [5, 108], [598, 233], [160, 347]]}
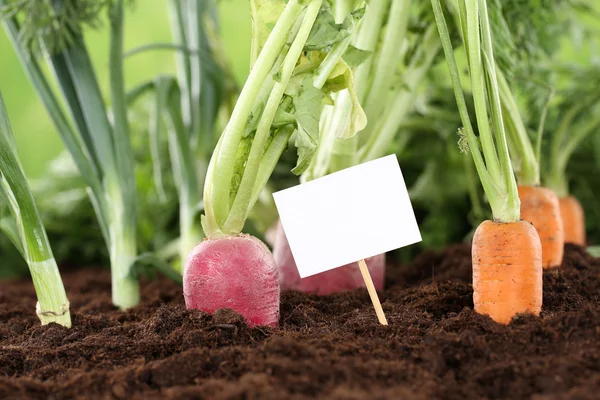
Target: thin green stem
{"points": [[72, 142], [160, 46], [239, 210], [502, 210], [385, 129], [120, 131], [330, 62], [183, 165], [477, 72], [525, 162], [471, 185], [341, 8], [512, 202], [219, 182], [389, 56], [269, 161], [367, 39], [53, 305], [179, 18], [583, 131], [541, 124]]}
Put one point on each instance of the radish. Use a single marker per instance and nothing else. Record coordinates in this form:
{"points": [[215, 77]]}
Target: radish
{"points": [[347, 277], [229, 269], [236, 272]]}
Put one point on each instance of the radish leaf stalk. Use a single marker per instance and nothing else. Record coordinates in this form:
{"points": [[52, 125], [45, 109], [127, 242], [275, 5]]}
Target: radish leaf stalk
{"points": [[300, 65]]}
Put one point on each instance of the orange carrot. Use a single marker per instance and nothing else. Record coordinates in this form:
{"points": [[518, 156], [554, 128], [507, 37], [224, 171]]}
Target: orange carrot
{"points": [[573, 220], [506, 253], [507, 270], [540, 206]]}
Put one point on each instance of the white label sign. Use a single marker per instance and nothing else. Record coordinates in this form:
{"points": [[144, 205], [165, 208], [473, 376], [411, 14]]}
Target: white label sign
{"points": [[347, 216]]}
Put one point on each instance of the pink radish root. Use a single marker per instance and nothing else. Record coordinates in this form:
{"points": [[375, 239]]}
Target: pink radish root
{"points": [[236, 272], [336, 280]]}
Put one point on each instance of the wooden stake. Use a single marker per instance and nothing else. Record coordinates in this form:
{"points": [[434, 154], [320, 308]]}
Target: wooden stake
{"points": [[374, 298]]}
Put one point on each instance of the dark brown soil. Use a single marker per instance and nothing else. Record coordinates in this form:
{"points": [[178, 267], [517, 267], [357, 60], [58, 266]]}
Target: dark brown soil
{"points": [[332, 347]]}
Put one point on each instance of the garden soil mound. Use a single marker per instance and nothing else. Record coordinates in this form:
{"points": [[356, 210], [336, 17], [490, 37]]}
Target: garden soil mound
{"points": [[331, 347]]}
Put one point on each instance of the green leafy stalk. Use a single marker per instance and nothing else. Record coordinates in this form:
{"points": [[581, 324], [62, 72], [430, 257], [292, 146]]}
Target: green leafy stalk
{"points": [[523, 155], [388, 57], [101, 151], [557, 174], [578, 119], [30, 235], [499, 186], [300, 67], [204, 83], [123, 247], [385, 128], [386, 82], [240, 208], [182, 163], [218, 186]]}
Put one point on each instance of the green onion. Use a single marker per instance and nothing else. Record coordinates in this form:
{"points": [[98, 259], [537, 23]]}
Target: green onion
{"points": [[28, 232], [101, 149]]}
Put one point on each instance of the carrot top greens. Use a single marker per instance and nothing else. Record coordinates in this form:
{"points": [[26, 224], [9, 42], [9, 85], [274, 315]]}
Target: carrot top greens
{"points": [[490, 149]]}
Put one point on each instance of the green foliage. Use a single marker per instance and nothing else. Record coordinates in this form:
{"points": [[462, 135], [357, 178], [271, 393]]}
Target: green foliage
{"points": [[58, 22], [307, 105]]}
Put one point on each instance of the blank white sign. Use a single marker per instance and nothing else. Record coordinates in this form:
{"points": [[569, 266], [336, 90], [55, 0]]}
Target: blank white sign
{"points": [[347, 216]]}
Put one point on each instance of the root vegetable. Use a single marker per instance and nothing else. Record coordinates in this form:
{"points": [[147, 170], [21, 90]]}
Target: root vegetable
{"points": [[347, 277], [540, 206], [236, 272], [573, 220], [507, 270]]}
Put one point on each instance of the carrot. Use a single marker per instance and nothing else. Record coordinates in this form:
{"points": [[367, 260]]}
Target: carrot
{"points": [[506, 252], [540, 206], [507, 271], [573, 219]]}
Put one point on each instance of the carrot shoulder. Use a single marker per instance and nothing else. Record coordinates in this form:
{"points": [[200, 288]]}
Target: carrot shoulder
{"points": [[507, 272], [540, 206], [573, 219]]}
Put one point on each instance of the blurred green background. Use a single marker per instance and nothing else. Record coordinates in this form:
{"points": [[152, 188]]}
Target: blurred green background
{"points": [[146, 22]]}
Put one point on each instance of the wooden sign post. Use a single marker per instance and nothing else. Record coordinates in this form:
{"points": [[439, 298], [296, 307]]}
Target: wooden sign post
{"points": [[372, 292], [321, 224]]}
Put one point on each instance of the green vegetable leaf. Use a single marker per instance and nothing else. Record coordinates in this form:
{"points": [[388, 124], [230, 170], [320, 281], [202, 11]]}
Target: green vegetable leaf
{"points": [[342, 78], [308, 106], [354, 57], [264, 14], [326, 32], [282, 118], [7, 223]]}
